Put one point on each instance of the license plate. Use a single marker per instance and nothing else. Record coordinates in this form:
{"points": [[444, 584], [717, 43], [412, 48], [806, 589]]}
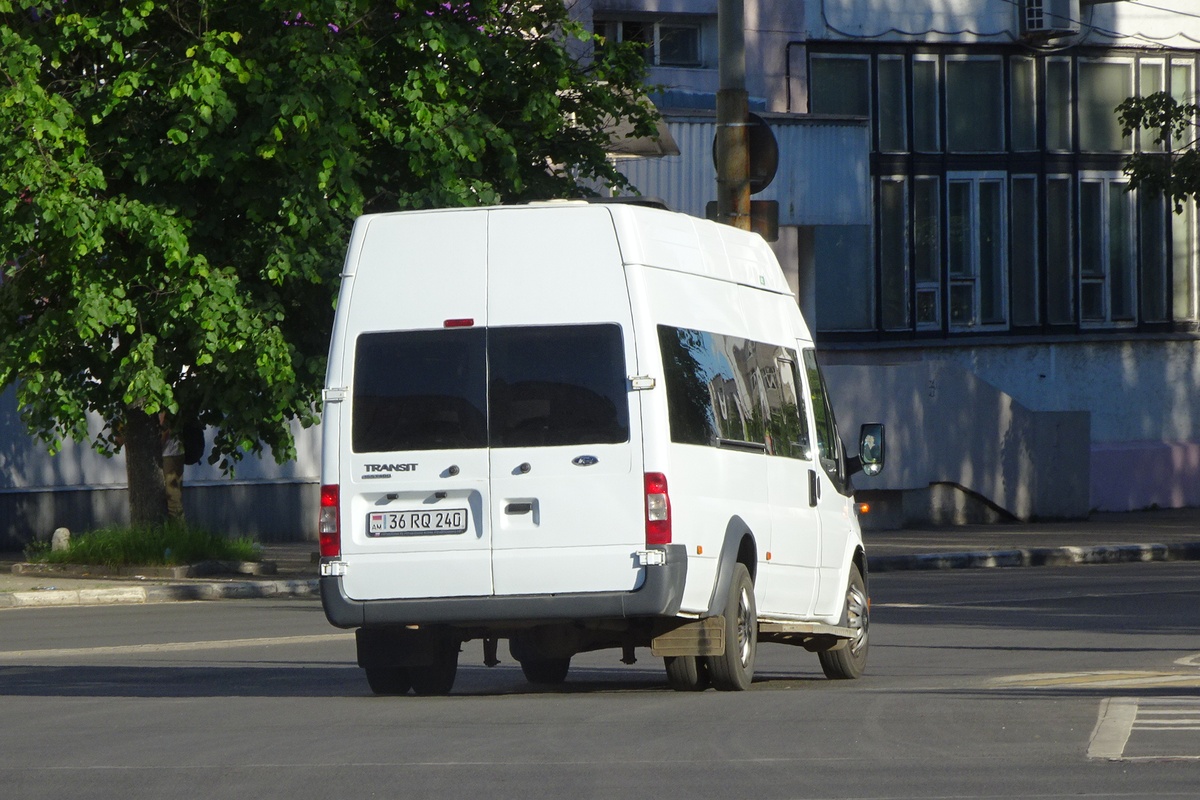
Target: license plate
{"points": [[410, 523]]}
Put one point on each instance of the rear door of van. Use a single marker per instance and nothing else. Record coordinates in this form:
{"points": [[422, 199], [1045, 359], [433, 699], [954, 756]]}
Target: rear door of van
{"points": [[413, 445], [494, 446], [566, 441]]}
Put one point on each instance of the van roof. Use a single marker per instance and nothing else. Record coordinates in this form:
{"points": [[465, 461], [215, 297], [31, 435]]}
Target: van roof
{"points": [[654, 237]]}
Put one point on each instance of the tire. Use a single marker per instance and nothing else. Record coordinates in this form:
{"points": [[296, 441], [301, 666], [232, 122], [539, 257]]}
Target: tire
{"points": [[547, 671], [388, 680], [687, 673], [849, 661], [437, 677], [734, 671]]}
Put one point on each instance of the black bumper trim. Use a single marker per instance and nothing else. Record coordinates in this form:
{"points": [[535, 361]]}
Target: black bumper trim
{"points": [[660, 595]]}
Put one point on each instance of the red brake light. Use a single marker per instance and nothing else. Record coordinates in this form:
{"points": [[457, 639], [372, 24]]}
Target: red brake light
{"points": [[329, 524], [658, 509]]}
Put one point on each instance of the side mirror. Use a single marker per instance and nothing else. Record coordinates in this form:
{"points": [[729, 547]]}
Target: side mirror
{"points": [[870, 448]]}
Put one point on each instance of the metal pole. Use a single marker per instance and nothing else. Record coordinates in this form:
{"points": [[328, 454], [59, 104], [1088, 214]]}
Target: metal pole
{"points": [[733, 157]]}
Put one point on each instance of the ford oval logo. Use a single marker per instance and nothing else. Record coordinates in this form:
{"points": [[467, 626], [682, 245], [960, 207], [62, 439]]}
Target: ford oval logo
{"points": [[584, 461]]}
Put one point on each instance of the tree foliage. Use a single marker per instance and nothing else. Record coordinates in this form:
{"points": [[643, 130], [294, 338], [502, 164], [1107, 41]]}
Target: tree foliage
{"points": [[177, 179], [1172, 165]]}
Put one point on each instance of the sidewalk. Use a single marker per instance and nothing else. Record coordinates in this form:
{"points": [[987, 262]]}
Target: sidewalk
{"points": [[1163, 535]]}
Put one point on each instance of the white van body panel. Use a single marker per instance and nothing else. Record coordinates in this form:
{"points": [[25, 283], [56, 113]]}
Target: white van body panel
{"points": [[546, 520]]}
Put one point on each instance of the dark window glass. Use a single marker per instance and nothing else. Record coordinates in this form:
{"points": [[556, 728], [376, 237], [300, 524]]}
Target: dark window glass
{"points": [[419, 390], [726, 391], [829, 446], [561, 385]]}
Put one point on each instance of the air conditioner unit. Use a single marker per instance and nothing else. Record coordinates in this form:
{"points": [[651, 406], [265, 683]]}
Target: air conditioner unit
{"points": [[1045, 19]]}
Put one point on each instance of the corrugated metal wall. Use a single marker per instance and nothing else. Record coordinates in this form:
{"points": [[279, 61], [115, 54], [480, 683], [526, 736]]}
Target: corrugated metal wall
{"points": [[823, 176]]}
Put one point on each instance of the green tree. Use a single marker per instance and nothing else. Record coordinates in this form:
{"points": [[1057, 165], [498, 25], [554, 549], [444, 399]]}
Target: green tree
{"points": [[177, 180], [1173, 169]]}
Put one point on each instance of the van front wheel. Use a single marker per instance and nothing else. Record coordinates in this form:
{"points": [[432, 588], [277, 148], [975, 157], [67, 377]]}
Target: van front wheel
{"points": [[849, 660], [734, 670]]}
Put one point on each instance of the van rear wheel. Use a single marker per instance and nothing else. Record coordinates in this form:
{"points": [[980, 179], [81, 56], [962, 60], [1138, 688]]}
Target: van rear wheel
{"points": [[734, 670], [388, 680], [849, 660], [438, 676], [546, 670], [686, 673]]}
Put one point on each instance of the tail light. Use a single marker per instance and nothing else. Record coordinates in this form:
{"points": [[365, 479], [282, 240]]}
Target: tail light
{"points": [[329, 524], [658, 509]]}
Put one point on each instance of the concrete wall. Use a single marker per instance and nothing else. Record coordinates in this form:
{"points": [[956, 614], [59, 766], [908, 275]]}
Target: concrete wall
{"points": [[947, 426]]}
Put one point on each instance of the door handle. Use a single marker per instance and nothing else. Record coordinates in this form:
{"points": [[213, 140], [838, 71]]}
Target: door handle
{"points": [[518, 508], [814, 488]]}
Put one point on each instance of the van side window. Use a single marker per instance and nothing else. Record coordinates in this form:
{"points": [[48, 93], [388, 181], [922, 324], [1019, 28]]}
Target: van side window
{"points": [[419, 390], [557, 385], [829, 446], [726, 391]]}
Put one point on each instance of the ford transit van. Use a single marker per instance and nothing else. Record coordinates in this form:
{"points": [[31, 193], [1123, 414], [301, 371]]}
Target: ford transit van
{"points": [[576, 426]]}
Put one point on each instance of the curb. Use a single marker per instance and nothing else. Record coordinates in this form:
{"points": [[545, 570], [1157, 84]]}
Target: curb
{"points": [[1038, 557], [167, 593]]}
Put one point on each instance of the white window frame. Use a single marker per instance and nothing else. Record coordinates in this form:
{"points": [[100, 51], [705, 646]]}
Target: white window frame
{"points": [[972, 279], [1103, 277], [656, 26], [928, 287], [1144, 140]]}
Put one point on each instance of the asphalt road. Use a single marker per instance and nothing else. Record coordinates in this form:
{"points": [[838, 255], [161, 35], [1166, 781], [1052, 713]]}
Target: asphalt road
{"points": [[1040, 683]]}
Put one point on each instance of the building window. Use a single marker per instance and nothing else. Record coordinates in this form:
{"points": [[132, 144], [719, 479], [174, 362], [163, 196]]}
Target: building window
{"points": [[1023, 105], [1060, 253], [1024, 251], [975, 105], [840, 85], [1058, 104], [1106, 239], [668, 43], [893, 122], [925, 105], [1183, 263], [893, 253], [1183, 89], [1103, 85], [1151, 79], [976, 249], [927, 251]]}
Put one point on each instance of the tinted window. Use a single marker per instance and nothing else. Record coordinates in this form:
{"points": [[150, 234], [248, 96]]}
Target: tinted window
{"points": [[729, 391], [429, 390], [419, 390], [561, 385]]}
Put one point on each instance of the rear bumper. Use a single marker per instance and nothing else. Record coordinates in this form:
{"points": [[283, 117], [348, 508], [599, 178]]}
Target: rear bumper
{"points": [[659, 595]]}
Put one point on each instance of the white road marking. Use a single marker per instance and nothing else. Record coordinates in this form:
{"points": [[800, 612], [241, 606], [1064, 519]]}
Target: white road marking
{"points": [[1121, 718], [172, 647]]}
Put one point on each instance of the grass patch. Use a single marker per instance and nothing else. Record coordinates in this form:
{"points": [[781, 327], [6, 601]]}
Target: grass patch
{"points": [[169, 545]]}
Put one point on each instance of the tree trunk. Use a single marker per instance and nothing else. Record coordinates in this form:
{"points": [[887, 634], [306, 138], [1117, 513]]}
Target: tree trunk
{"points": [[143, 470]]}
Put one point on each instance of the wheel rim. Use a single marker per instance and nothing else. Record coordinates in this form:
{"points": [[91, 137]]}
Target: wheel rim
{"points": [[743, 627], [857, 618]]}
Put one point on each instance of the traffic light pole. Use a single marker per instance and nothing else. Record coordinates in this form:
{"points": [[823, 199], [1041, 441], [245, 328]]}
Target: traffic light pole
{"points": [[733, 157]]}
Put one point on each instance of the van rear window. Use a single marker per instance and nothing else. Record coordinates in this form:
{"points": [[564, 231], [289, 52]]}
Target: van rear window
{"points": [[503, 387], [420, 390]]}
